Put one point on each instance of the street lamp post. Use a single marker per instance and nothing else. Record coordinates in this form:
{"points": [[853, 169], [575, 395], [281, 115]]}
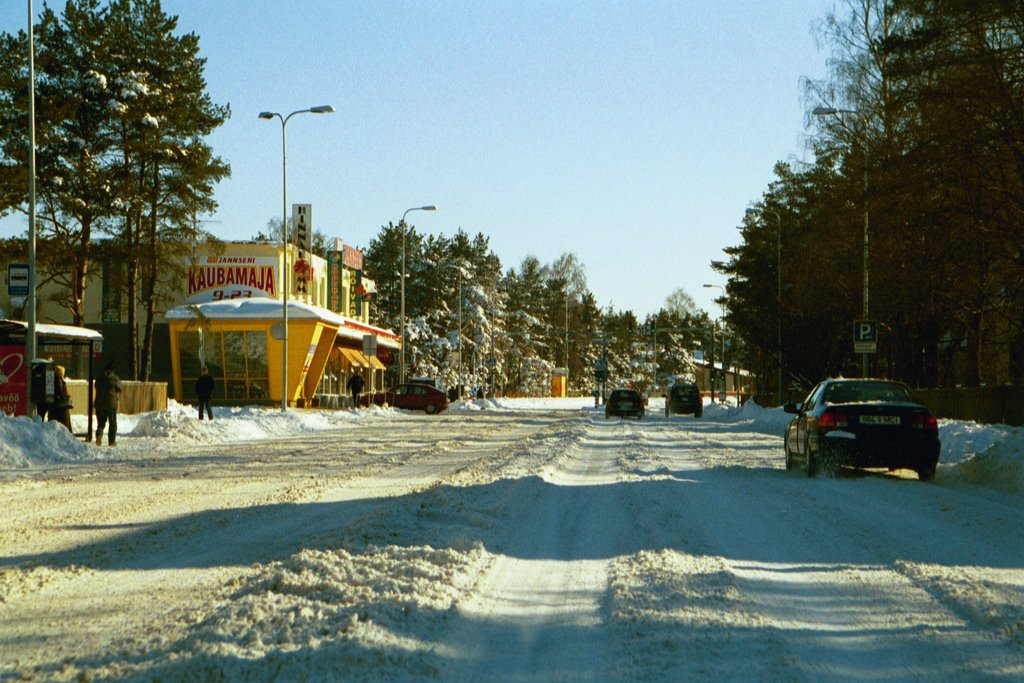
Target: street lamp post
{"points": [[321, 109], [722, 359], [401, 353], [833, 111]]}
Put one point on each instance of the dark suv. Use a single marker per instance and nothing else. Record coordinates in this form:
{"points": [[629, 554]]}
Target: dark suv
{"points": [[684, 398], [625, 402]]}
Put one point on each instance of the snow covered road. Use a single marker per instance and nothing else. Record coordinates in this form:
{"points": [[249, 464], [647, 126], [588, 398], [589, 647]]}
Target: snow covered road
{"points": [[517, 545]]}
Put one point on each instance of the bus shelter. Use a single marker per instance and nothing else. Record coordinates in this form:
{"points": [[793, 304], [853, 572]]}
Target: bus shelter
{"points": [[75, 348]]}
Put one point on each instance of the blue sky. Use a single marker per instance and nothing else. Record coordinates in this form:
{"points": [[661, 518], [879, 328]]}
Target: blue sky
{"points": [[633, 134]]}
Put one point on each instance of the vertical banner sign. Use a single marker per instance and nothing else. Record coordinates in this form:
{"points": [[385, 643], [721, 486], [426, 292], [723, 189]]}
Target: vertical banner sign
{"points": [[352, 294], [112, 284], [302, 219], [334, 285], [13, 380]]}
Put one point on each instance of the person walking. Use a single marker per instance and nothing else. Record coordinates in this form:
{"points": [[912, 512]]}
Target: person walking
{"points": [[355, 386], [204, 390], [108, 390], [60, 409]]}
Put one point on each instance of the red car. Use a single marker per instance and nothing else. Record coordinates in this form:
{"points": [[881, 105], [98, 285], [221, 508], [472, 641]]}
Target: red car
{"points": [[412, 396]]}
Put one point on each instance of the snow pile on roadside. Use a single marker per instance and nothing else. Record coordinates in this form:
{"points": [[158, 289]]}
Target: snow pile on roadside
{"points": [[1001, 466], [331, 614], [25, 442], [180, 422]]}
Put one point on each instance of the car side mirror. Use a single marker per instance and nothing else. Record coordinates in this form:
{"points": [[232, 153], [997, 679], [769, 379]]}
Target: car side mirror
{"points": [[793, 408]]}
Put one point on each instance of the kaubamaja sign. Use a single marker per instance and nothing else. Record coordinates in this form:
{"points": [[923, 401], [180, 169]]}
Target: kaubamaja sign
{"points": [[232, 277]]}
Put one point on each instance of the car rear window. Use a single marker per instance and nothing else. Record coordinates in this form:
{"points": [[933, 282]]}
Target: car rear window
{"points": [[861, 392]]}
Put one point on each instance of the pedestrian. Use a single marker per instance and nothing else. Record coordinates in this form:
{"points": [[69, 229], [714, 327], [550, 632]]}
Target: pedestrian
{"points": [[204, 390], [355, 387], [108, 390], [60, 409]]}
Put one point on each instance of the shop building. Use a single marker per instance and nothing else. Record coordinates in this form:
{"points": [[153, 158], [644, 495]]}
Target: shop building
{"points": [[230, 318]]}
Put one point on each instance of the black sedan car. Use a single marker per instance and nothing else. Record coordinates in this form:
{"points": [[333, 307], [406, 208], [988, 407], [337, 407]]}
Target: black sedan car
{"points": [[684, 398], [862, 423], [625, 403]]}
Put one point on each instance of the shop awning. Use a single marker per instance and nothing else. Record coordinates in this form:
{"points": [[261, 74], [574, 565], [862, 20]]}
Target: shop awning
{"points": [[376, 364], [355, 358]]}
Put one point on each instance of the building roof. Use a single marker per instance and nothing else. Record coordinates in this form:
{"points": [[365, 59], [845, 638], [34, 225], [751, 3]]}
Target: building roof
{"points": [[19, 328], [262, 308]]}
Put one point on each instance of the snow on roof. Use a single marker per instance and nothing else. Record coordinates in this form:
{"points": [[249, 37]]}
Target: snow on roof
{"points": [[50, 330], [263, 308]]}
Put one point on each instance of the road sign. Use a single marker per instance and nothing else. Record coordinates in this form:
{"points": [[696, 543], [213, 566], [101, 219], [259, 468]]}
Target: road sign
{"points": [[491, 362], [17, 279], [601, 364], [865, 336]]}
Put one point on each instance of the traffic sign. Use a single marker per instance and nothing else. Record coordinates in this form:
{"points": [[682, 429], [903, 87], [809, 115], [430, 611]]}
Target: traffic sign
{"points": [[865, 336], [17, 279]]}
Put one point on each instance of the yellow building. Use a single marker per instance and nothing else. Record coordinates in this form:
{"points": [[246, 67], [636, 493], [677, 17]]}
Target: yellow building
{"points": [[231, 321]]}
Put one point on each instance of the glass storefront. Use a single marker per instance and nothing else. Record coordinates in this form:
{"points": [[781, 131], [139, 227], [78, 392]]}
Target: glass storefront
{"points": [[237, 361]]}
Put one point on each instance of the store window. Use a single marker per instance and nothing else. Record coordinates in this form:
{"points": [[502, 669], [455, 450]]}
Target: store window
{"points": [[237, 361]]}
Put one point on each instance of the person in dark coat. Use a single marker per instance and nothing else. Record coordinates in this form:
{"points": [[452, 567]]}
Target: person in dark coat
{"points": [[355, 386], [204, 391], [60, 409], [108, 391]]}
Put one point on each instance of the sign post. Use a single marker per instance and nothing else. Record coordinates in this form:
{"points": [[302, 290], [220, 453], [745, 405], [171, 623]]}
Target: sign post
{"points": [[865, 340]]}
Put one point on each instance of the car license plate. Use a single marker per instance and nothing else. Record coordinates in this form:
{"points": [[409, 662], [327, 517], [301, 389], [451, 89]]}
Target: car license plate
{"points": [[880, 419], [626, 405]]}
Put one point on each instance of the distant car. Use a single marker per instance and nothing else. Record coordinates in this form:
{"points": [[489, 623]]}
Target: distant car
{"points": [[410, 396], [684, 398], [429, 381], [625, 402], [862, 423]]}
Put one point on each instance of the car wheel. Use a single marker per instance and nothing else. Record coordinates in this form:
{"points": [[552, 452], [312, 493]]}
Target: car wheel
{"points": [[699, 413], [640, 415], [811, 464], [430, 409], [926, 473]]}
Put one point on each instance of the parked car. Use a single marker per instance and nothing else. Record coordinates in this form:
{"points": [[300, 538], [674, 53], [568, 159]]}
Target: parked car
{"points": [[410, 396], [625, 402], [862, 423], [683, 398]]}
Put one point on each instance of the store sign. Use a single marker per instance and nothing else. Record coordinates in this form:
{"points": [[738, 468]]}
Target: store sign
{"points": [[353, 258], [334, 282], [226, 277]]}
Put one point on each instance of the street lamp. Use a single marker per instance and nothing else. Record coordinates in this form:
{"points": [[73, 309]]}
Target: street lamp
{"points": [[401, 353], [321, 109], [833, 111], [722, 359]]}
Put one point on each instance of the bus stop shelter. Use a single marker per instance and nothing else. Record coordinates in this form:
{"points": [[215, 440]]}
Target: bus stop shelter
{"points": [[75, 347]]}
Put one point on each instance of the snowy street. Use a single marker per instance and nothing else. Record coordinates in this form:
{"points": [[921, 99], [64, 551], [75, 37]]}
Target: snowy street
{"points": [[502, 544]]}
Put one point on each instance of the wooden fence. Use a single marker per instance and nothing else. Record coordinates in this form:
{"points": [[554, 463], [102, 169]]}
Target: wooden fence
{"points": [[136, 397], [987, 405]]}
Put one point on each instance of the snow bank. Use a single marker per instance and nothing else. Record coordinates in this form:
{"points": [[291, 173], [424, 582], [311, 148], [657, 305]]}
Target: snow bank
{"points": [[28, 442]]}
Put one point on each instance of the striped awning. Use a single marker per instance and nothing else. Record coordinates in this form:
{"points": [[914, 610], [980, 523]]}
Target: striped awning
{"points": [[375, 363]]}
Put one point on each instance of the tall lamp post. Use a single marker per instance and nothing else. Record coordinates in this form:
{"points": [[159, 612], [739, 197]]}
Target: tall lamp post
{"points": [[833, 111], [722, 359], [401, 353], [321, 109]]}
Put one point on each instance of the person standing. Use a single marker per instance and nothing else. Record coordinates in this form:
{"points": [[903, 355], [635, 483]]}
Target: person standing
{"points": [[355, 387], [108, 390], [60, 409], [204, 390]]}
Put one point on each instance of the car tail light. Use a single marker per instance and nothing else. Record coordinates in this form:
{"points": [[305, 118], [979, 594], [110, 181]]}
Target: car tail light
{"points": [[830, 420], [926, 422]]}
